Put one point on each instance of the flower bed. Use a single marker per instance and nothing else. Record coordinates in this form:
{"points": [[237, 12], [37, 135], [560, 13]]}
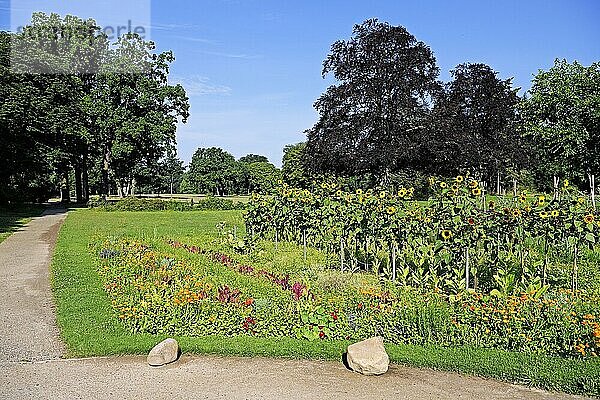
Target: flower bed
{"points": [[211, 293]]}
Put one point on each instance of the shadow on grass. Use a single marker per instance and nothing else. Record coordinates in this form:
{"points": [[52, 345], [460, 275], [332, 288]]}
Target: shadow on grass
{"points": [[12, 218]]}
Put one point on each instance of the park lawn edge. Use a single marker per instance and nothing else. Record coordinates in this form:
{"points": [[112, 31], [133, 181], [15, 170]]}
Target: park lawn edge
{"points": [[88, 328]]}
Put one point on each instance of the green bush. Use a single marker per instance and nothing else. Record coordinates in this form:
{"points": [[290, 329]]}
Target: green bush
{"points": [[137, 204]]}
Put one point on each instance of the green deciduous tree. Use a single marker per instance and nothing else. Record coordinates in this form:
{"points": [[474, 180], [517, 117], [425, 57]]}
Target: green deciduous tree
{"points": [[562, 116], [293, 170], [212, 171], [373, 119], [475, 125]]}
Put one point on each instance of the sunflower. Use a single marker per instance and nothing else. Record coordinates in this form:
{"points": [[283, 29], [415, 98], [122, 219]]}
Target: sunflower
{"points": [[528, 208], [589, 219], [516, 213], [491, 204], [443, 185], [522, 198], [581, 200], [279, 182], [391, 210], [473, 184], [324, 186], [428, 220], [544, 214], [446, 234], [403, 192], [359, 191], [554, 213], [566, 183], [541, 200], [460, 179], [382, 195], [338, 193], [471, 221], [431, 181], [476, 192]]}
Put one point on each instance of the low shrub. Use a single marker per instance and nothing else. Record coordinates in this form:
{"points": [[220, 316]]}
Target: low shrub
{"points": [[137, 204]]}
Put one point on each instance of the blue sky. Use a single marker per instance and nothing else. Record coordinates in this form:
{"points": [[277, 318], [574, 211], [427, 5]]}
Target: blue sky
{"points": [[253, 67]]}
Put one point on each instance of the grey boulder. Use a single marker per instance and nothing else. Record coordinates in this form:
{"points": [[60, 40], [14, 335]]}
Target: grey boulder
{"points": [[368, 357], [163, 353]]}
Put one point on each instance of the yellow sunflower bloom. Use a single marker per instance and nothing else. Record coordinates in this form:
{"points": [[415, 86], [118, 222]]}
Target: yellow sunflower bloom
{"points": [[443, 185], [446, 234], [473, 184], [544, 214], [589, 219], [476, 192], [391, 210], [460, 179], [554, 213], [541, 200], [382, 194]]}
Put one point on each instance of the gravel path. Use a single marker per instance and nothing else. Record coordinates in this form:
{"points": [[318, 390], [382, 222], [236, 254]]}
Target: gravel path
{"points": [[242, 378], [27, 322], [31, 368]]}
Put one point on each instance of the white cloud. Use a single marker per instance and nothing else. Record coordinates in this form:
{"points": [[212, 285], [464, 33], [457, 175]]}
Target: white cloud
{"points": [[196, 85]]}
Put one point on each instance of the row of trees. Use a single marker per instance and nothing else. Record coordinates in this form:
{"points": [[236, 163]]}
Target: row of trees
{"points": [[76, 110], [389, 116], [215, 171]]}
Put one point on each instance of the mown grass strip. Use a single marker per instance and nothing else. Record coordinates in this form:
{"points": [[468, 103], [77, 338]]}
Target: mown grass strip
{"points": [[89, 328]]}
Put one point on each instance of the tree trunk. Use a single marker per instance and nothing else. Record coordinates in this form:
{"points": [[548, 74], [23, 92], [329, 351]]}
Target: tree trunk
{"points": [[556, 182], [78, 181], [85, 179], [65, 190], [515, 187], [498, 187], [592, 179], [105, 172]]}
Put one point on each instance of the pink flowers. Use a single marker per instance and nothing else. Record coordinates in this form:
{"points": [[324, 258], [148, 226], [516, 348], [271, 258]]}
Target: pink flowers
{"points": [[298, 289]]}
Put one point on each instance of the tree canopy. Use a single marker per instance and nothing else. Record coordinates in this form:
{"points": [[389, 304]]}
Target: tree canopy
{"points": [[372, 119], [74, 104]]}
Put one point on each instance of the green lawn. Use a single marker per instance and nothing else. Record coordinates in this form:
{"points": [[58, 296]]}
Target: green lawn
{"points": [[90, 328], [13, 218]]}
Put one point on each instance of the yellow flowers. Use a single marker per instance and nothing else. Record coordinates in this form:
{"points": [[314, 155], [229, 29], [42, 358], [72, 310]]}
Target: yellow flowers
{"points": [[588, 219], [443, 185], [391, 210], [566, 183], [541, 201], [446, 234], [522, 198], [476, 192], [554, 213], [473, 184], [581, 200], [544, 214], [460, 179], [382, 195], [359, 192]]}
